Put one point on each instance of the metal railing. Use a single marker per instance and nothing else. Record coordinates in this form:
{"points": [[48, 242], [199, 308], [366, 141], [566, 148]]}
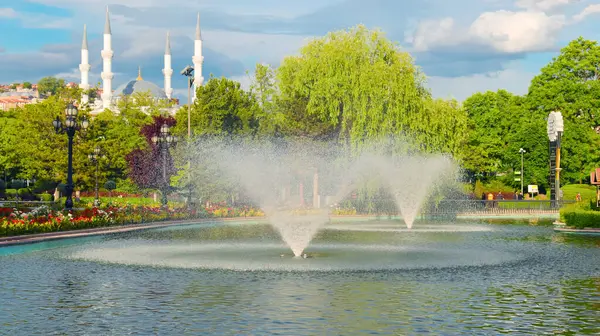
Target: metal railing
{"points": [[481, 207]]}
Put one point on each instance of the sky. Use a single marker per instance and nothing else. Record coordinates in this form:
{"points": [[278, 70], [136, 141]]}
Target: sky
{"points": [[463, 46]]}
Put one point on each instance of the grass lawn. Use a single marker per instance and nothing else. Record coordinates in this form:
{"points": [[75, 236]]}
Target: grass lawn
{"points": [[588, 192]]}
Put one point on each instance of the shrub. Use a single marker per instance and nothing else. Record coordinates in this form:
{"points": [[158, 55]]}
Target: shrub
{"points": [[2, 185], [110, 185], [62, 188], [45, 197], [580, 216], [41, 186], [11, 193], [17, 184]]}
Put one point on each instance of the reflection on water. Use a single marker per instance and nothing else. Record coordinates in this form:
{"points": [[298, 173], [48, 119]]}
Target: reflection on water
{"points": [[556, 290]]}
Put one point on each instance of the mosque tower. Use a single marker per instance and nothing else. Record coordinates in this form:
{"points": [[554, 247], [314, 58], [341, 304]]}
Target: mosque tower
{"points": [[198, 59], [168, 71], [107, 75], [85, 67]]}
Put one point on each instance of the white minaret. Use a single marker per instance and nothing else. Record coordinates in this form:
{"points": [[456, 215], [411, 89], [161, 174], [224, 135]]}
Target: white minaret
{"points": [[84, 68], [168, 71], [107, 55], [198, 59]]}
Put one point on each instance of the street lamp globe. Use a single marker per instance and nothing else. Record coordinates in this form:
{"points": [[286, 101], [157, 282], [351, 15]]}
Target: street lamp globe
{"points": [[154, 139], [97, 150], [57, 124], [85, 123], [164, 129], [71, 110], [70, 122]]}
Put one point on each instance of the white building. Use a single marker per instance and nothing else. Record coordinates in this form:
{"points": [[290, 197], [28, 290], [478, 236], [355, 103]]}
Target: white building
{"points": [[109, 98]]}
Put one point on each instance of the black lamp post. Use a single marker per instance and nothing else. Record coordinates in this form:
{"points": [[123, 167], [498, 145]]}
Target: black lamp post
{"points": [[164, 140], [95, 159], [188, 72], [70, 127]]}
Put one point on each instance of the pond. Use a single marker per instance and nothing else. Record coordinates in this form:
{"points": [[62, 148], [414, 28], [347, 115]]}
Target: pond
{"points": [[370, 277]]}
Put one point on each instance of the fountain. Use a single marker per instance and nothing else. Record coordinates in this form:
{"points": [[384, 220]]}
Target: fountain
{"points": [[276, 177]]}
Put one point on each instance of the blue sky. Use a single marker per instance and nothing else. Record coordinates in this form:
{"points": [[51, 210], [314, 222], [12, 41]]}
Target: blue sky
{"points": [[463, 46]]}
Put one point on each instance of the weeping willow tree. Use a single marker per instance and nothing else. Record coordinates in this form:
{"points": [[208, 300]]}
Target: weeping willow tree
{"points": [[360, 89], [355, 86]]}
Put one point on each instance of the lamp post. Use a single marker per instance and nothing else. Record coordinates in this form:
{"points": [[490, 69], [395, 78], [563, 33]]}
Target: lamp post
{"points": [[70, 127], [164, 140], [555, 130], [95, 159], [188, 72], [522, 151]]}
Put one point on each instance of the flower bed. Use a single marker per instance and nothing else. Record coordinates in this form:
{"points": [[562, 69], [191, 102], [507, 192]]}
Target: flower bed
{"points": [[42, 219]]}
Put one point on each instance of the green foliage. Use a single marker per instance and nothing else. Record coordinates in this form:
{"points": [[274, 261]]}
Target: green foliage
{"points": [[27, 85], [2, 185], [110, 185], [45, 197], [580, 216], [569, 84], [356, 84], [11, 193], [50, 85], [221, 108]]}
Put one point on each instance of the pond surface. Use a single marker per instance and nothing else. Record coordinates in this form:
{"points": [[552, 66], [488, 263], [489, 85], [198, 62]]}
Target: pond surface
{"points": [[374, 277]]}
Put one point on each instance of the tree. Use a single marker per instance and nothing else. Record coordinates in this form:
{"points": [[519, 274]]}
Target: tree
{"points": [[146, 165], [357, 85], [27, 85], [570, 84], [50, 85], [221, 108]]}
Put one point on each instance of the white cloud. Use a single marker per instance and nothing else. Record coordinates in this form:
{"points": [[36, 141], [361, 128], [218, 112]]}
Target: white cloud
{"points": [[503, 31], [513, 32], [36, 20], [543, 5], [7, 13], [512, 78], [589, 10], [245, 81]]}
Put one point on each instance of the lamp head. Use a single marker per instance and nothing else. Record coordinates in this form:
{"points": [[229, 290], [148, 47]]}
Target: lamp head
{"points": [[57, 124], [85, 124]]}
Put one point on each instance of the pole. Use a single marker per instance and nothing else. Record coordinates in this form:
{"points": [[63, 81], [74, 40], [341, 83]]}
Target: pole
{"points": [[164, 200], [557, 175], [97, 200], [522, 173], [69, 187], [189, 139]]}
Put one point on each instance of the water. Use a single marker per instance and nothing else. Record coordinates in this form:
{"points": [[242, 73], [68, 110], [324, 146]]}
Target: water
{"points": [[371, 277]]}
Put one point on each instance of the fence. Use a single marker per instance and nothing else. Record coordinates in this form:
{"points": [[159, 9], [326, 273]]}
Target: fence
{"points": [[449, 208]]}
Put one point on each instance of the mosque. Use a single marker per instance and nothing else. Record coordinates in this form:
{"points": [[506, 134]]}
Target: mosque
{"points": [[109, 98]]}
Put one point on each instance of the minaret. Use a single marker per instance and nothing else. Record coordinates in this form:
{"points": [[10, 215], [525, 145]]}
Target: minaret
{"points": [[107, 55], [168, 71], [198, 59], [85, 67]]}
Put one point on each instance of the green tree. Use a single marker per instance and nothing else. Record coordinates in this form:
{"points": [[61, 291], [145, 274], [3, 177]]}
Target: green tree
{"points": [[221, 107], [570, 84], [50, 85], [27, 85], [356, 85]]}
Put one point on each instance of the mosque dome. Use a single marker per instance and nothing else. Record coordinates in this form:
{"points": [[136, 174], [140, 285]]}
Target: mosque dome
{"points": [[140, 85]]}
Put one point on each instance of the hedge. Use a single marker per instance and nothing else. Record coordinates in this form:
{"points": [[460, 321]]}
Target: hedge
{"points": [[580, 216]]}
